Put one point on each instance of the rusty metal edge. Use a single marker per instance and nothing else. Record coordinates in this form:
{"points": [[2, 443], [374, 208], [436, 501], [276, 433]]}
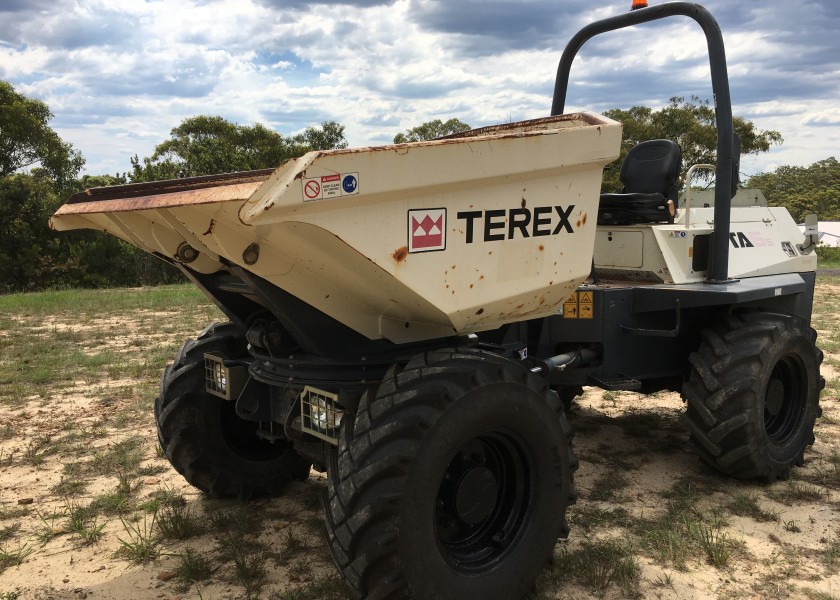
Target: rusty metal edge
{"points": [[168, 186], [207, 194]]}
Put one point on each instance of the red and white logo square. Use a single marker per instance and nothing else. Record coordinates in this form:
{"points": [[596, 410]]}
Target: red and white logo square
{"points": [[427, 230]]}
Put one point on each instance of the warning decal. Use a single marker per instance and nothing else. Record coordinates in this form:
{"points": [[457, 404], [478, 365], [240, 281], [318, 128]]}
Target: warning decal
{"points": [[570, 307], [585, 305], [312, 189], [426, 230], [579, 305], [330, 186]]}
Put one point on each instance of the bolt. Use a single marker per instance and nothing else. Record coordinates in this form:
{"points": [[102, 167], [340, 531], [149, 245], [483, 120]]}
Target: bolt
{"points": [[251, 254], [186, 253]]}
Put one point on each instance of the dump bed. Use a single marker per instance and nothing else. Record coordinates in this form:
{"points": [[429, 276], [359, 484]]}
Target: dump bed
{"points": [[404, 242]]}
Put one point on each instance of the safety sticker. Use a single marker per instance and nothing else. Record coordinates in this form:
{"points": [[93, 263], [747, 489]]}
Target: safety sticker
{"points": [[426, 230], [585, 305], [580, 305], [330, 186], [570, 307]]}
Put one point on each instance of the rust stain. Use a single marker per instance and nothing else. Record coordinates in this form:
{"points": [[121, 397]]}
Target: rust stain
{"points": [[520, 306], [480, 278], [523, 202], [471, 286], [584, 218], [163, 199], [210, 227], [578, 223], [479, 311], [453, 267], [541, 247], [400, 254]]}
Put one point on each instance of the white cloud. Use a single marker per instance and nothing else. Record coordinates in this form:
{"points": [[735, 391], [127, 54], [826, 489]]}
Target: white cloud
{"points": [[119, 74]]}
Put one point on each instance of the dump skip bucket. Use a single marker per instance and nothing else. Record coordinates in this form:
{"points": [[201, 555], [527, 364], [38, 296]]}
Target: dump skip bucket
{"points": [[407, 241]]}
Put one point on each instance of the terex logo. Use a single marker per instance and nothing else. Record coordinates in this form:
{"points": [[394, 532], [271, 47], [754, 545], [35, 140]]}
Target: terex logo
{"points": [[740, 240], [427, 230], [756, 239], [504, 224]]}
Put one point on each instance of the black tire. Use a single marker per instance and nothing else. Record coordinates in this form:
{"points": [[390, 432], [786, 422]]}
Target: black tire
{"points": [[452, 482], [205, 440], [753, 395]]}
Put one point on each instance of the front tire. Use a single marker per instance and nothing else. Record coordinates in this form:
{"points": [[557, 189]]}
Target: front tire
{"points": [[753, 395], [205, 440], [452, 482]]}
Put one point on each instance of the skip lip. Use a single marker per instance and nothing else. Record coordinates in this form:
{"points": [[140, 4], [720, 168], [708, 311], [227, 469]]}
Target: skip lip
{"points": [[163, 194]]}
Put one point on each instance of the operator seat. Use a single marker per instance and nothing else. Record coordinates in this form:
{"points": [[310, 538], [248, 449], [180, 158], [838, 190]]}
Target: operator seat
{"points": [[649, 173]]}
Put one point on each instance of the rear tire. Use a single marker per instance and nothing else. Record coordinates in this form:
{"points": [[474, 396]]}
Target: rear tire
{"points": [[753, 395], [452, 482], [205, 440]]}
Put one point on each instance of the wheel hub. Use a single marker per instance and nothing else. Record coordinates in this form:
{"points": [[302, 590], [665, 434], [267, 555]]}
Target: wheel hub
{"points": [[483, 500], [775, 397], [475, 497], [785, 400]]}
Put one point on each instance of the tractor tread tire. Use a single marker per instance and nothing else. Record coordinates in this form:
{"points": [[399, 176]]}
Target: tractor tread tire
{"points": [[726, 389], [368, 473], [193, 439]]}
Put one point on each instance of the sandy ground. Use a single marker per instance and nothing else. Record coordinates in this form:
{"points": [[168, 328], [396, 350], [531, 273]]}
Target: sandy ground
{"points": [[788, 556]]}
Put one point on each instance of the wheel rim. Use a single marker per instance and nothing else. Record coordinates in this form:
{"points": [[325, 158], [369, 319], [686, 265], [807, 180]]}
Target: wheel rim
{"points": [[484, 500], [784, 400]]}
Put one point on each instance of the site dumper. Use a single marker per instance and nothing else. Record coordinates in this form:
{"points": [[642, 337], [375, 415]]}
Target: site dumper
{"points": [[413, 318]]}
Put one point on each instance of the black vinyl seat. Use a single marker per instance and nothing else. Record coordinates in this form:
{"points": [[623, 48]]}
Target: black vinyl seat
{"points": [[649, 173]]}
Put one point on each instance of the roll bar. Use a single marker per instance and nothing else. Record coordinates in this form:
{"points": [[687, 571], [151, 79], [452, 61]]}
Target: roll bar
{"points": [[719, 260]]}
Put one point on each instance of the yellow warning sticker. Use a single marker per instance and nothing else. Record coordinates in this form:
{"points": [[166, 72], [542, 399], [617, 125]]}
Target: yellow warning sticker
{"points": [[585, 305], [570, 307]]}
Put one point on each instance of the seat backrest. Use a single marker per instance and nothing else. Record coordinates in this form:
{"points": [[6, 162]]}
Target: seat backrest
{"points": [[652, 167]]}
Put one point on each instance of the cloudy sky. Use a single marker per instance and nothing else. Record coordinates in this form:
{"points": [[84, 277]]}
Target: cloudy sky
{"points": [[120, 74]]}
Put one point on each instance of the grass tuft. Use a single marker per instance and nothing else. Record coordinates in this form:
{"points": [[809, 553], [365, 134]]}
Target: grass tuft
{"points": [[82, 521], [176, 522], [193, 567], [601, 566], [745, 504], [12, 557], [795, 491], [249, 571], [716, 545], [141, 543]]}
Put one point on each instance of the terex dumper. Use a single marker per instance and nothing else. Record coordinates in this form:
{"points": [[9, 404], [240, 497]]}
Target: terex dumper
{"points": [[412, 318]]}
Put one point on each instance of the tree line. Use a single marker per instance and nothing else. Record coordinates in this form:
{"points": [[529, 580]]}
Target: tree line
{"points": [[39, 171]]}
